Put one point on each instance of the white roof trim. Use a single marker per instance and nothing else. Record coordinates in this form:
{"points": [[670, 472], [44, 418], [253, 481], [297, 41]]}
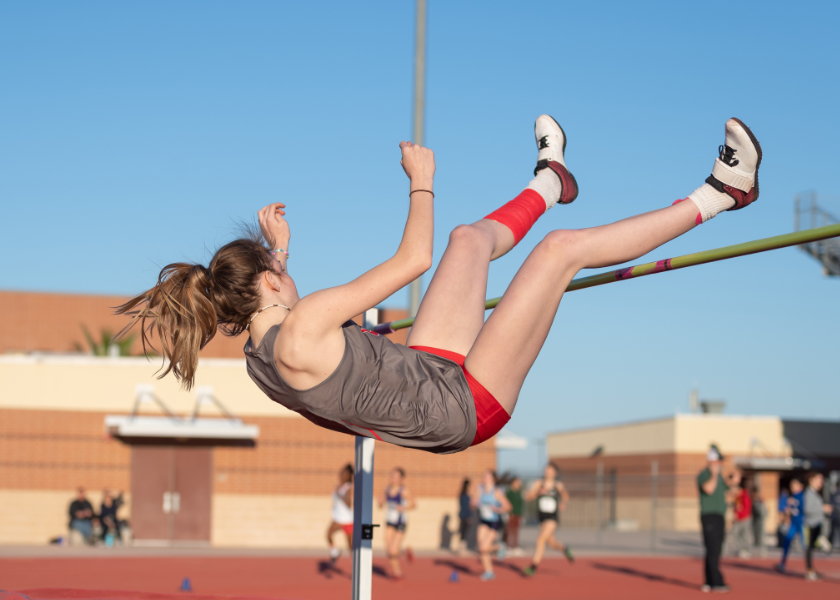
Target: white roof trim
{"points": [[166, 427]]}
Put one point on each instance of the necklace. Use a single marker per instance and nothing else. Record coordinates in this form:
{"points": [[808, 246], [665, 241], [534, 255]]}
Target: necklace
{"points": [[262, 309]]}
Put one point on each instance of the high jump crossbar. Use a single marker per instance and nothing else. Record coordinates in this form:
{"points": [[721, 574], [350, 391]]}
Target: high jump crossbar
{"points": [[363, 480], [670, 264]]}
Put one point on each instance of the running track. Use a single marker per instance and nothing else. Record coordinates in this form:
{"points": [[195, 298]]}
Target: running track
{"points": [[159, 578]]}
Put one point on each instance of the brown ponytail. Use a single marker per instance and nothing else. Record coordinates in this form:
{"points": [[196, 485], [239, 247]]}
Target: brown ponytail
{"points": [[190, 302]]}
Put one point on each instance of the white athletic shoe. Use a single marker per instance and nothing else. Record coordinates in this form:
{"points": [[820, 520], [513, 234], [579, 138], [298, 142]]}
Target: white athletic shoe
{"points": [[735, 172], [551, 145]]}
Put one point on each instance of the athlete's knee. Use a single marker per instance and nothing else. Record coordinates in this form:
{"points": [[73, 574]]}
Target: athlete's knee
{"points": [[564, 244], [470, 235], [563, 239]]}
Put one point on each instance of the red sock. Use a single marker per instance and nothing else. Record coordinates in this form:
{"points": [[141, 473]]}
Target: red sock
{"points": [[520, 214]]}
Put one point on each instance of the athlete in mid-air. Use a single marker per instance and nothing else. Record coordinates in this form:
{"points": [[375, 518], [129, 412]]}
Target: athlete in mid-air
{"points": [[456, 382]]}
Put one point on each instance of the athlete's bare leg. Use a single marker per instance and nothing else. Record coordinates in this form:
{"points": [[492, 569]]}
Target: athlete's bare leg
{"points": [[509, 342], [546, 533], [393, 540], [486, 545], [452, 311]]}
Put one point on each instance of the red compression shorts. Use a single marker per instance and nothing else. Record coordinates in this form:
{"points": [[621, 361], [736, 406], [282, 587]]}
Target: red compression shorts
{"points": [[489, 414]]}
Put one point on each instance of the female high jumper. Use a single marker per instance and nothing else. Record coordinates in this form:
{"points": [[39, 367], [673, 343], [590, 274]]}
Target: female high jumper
{"points": [[456, 382]]}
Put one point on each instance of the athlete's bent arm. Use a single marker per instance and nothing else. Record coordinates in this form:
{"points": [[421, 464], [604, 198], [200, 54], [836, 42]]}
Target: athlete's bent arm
{"points": [[410, 504], [533, 491], [504, 504], [326, 310], [564, 495]]}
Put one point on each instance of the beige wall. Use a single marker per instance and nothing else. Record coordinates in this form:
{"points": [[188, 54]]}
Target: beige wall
{"points": [[690, 433], [83, 383], [742, 435], [33, 517], [302, 521], [37, 516], [648, 437]]}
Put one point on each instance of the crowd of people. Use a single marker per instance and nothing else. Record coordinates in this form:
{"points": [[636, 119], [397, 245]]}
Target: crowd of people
{"points": [[90, 527], [490, 510], [806, 514]]}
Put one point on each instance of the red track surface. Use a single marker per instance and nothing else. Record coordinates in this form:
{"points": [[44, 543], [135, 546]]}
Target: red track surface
{"points": [[159, 578]]}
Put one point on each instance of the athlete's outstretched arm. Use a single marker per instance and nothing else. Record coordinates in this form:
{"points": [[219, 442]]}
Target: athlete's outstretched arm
{"points": [[533, 491], [328, 309]]}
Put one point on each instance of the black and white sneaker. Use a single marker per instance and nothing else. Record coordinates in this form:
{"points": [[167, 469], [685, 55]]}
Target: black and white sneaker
{"points": [[551, 144], [735, 172]]}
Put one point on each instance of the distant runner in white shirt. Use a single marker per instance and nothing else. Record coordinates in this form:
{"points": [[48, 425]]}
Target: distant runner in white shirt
{"points": [[342, 511]]}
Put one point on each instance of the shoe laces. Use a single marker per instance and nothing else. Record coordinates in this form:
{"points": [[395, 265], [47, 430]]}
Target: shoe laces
{"points": [[727, 155]]}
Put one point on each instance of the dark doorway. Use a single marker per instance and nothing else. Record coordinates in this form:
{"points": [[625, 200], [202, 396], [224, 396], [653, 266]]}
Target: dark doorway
{"points": [[171, 489]]}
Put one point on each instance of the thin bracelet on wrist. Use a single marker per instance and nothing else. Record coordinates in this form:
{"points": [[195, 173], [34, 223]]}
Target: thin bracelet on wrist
{"points": [[274, 253], [427, 191]]}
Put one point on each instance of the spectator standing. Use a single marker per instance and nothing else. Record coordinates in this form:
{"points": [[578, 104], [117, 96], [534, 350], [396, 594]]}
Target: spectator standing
{"points": [[514, 496], [81, 516], [834, 536], [465, 515], [814, 509], [759, 516], [712, 489], [742, 511]]}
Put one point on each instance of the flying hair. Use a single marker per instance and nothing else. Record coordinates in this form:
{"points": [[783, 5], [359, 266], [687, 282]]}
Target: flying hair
{"points": [[191, 302]]}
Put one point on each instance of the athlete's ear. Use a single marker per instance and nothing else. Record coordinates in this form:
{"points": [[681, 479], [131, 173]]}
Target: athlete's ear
{"points": [[270, 280]]}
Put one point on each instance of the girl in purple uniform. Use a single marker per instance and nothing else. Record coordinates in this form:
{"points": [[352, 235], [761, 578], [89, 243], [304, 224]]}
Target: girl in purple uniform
{"points": [[397, 500]]}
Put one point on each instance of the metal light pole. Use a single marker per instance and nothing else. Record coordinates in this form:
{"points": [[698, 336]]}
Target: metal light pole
{"points": [[419, 109]]}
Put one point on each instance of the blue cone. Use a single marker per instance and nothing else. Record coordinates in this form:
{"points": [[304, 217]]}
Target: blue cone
{"points": [[453, 578], [186, 586]]}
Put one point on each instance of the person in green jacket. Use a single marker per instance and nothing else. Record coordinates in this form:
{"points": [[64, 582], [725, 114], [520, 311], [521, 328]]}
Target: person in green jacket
{"points": [[514, 496], [713, 489]]}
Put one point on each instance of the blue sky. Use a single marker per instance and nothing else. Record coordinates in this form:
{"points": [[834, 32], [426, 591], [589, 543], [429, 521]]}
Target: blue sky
{"points": [[137, 134]]}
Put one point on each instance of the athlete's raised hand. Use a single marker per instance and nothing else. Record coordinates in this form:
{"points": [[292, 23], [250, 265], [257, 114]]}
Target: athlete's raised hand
{"points": [[418, 163], [274, 227]]}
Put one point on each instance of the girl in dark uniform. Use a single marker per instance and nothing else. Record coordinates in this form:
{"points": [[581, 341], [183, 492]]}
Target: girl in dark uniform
{"points": [[457, 381], [551, 497], [397, 500]]}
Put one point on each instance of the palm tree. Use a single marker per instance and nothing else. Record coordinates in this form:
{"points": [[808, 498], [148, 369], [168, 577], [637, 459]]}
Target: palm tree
{"points": [[105, 345]]}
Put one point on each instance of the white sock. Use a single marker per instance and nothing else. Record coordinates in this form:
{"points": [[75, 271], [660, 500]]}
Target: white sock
{"points": [[710, 202], [334, 552], [547, 184]]}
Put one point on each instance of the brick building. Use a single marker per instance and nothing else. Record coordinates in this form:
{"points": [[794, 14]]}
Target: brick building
{"points": [[650, 467], [272, 489]]}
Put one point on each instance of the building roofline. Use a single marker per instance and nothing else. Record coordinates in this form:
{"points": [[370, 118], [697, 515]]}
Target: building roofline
{"points": [[37, 358], [673, 417]]}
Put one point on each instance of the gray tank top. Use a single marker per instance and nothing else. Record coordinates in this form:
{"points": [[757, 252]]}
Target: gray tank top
{"points": [[379, 389]]}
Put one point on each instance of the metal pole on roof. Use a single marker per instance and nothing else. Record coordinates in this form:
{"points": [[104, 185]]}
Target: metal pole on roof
{"points": [[654, 496], [599, 499], [419, 113], [680, 262]]}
